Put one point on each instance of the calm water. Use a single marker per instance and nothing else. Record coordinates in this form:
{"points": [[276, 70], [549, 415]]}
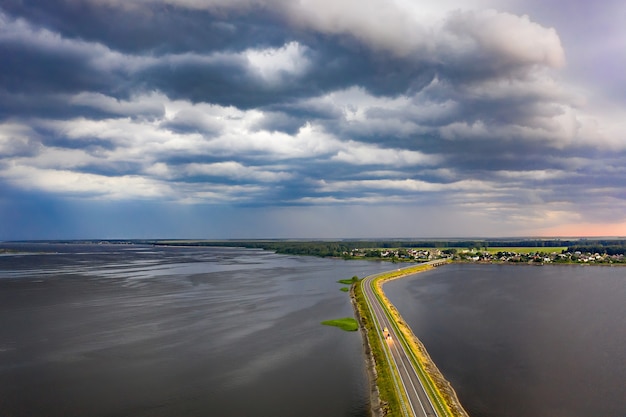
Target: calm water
{"points": [[520, 341], [111, 330]]}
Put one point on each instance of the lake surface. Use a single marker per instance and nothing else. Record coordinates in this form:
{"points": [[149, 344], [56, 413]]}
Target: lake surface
{"points": [[116, 330], [520, 341]]}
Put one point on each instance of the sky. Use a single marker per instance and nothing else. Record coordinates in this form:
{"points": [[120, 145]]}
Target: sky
{"points": [[245, 119]]}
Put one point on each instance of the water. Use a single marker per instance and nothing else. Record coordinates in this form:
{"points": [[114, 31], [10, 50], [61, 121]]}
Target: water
{"points": [[115, 330], [519, 341]]}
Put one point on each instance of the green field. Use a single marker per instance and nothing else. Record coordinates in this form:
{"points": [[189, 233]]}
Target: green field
{"points": [[526, 250]]}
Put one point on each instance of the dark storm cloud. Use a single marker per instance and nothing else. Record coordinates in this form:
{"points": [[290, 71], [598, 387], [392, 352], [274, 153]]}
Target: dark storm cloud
{"points": [[61, 106], [52, 59], [230, 79], [174, 50], [220, 73], [155, 28], [33, 68]]}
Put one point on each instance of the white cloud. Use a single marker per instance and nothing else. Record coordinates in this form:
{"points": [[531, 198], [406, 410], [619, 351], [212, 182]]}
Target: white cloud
{"points": [[16, 139], [275, 64], [142, 148], [90, 185], [58, 158], [380, 24], [404, 185], [372, 199], [534, 175], [359, 154], [309, 142], [150, 104], [505, 37], [203, 193], [236, 170]]}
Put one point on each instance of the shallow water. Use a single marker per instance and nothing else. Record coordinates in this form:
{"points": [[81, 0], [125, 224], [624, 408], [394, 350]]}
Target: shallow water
{"points": [[113, 330], [521, 341]]}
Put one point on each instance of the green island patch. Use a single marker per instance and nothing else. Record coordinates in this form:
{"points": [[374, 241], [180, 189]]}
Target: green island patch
{"points": [[349, 281], [348, 324], [344, 289]]}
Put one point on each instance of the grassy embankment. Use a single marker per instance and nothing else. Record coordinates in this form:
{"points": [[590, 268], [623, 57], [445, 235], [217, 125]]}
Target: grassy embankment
{"points": [[390, 404], [440, 391]]}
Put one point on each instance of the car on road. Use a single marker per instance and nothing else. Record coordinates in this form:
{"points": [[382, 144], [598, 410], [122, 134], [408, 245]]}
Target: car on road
{"points": [[386, 334]]}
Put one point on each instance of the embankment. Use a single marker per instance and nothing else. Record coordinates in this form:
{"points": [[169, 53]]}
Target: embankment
{"points": [[382, 400]]}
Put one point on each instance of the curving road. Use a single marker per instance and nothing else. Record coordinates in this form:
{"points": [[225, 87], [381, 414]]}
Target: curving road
{"points": [[397, 356]]}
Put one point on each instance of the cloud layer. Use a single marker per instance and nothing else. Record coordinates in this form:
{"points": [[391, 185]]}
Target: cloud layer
{"points": [[278, 104]]}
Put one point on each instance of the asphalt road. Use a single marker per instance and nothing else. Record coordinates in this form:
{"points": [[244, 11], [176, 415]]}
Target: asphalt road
{"points": [[419, 404]]}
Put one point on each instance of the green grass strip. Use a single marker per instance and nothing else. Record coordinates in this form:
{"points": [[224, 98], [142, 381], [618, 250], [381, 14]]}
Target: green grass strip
{"points": [[390, 402]]}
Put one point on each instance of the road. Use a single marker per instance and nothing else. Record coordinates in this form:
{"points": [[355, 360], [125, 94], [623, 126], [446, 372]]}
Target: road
{"points": [[419, 404]]}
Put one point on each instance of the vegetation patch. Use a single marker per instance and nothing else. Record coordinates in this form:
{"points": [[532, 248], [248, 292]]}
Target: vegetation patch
{"points": [[345, 289], [348, 324], [349, 281]]}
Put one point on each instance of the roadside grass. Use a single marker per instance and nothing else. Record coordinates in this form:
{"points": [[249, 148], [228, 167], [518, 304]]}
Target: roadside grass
{"points": [[348, 324], [390, 403], [344, 289]]}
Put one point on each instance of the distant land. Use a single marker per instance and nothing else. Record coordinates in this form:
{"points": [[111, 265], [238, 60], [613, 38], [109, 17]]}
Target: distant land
{"points": [[556, 250]]}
